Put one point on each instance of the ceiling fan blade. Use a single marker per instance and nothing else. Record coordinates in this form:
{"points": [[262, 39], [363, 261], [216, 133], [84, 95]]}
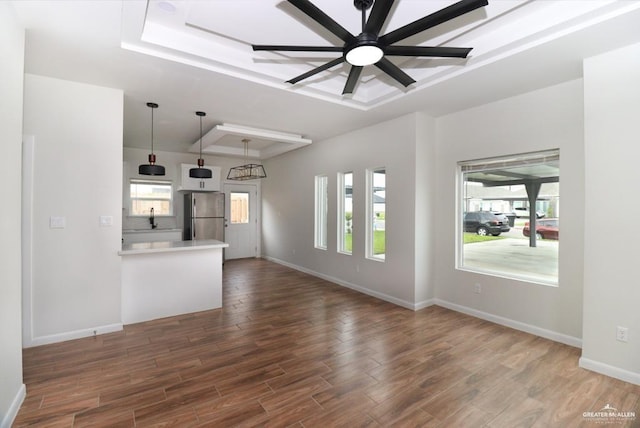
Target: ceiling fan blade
{"points": [[429, 21], [297, 48], [377, 16], [352, 80], [323, 19], [317, 70], [394, 71], [427, 51]]}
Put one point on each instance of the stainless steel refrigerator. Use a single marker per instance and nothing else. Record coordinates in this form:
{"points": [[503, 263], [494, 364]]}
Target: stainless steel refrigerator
{"points": [[203, 216]]}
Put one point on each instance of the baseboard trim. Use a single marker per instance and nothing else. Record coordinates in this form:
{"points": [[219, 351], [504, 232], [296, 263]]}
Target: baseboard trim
{"points": [[12, 411], [527, 328], [611, 371], [424, 304], [338, 281], [70, 335]]}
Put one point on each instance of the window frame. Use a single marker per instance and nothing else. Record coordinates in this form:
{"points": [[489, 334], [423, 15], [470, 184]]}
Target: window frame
{"points": [[171, 199], [370, 235], [546, 157], [321, 212], [341, 213]]}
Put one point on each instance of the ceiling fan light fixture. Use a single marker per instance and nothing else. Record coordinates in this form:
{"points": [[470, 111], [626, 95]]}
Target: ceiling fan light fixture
{"points": [[364, 55], [151, 168], [200, 172]]}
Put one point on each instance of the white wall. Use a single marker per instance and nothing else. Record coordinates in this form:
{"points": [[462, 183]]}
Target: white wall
{"points": [[12, 390], [544, 119], [76, 173], [425, 209], [288, 208], [612, 150]]}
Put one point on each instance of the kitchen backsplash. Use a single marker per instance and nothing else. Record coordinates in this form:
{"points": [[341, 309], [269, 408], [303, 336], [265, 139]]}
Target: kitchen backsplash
{"points": [[136, 222]]}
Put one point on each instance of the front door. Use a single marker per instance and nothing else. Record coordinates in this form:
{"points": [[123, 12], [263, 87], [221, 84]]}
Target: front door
{"points": [[241, 220]]}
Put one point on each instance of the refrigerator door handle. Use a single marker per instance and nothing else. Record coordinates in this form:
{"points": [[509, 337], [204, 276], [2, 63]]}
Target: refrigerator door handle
{"points": [[193, 228]]}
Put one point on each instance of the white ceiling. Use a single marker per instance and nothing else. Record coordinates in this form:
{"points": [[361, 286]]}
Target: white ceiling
{"points": [[196, 55]]}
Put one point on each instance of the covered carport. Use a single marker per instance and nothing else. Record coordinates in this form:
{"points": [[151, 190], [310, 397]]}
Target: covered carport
{"points": [[528, 170]]}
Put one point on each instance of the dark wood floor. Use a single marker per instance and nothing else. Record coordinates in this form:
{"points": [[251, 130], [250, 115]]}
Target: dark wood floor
{"points": [[289, 349]]}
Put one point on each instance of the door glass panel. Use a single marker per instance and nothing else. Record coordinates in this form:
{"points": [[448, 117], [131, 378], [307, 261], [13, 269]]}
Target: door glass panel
{"points": [[239, 207]]}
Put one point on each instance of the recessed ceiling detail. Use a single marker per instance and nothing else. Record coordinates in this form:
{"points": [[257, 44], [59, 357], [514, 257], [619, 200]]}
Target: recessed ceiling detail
{"points": [[217, 36], [226, 139]]}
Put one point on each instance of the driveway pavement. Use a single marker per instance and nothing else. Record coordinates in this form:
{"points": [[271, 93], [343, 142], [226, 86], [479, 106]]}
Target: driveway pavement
{"points": [[513, 255]]}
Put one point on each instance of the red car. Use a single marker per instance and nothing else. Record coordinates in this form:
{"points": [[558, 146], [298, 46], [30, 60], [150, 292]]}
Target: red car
{"points": [[546, 228]]}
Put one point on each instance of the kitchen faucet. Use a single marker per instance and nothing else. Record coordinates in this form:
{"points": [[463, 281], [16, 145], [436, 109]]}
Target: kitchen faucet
{"points": [[152, 219]]}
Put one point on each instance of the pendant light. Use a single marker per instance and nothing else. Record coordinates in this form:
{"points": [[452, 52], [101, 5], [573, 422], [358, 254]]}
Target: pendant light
{"points": [[249, 171], [151, 168], [200, 172]]}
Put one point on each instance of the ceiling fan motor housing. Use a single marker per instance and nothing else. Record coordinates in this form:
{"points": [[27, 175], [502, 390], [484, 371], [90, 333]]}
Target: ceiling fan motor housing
{"points": [[362, 4]]}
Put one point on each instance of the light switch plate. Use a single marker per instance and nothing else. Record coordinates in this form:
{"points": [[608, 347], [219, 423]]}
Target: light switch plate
{"points": [[57, 222], [106, 220]]}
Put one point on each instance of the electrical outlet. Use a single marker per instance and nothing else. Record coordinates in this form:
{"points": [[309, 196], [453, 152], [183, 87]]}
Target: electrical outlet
{"points": [[477, 288], [622, 334]]}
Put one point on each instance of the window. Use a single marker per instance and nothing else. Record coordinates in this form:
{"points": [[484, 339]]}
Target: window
{"points": [[239, 210], [345, 212], [322, 197], [147, 194], [501, 199], [376, 213]]}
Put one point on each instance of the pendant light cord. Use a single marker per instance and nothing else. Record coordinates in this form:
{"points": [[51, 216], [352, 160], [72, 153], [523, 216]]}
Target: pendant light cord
{"points": [[200, 136], [151, 130]]}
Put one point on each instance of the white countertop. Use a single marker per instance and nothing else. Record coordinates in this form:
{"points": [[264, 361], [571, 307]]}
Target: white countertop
{"points": [[170, 246]]}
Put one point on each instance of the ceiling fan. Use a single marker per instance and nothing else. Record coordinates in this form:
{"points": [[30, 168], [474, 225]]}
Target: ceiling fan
{"points": [[371, 48]]}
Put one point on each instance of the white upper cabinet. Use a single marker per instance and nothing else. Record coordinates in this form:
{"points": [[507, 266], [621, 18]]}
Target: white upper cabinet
{"points": [[200, 184]]}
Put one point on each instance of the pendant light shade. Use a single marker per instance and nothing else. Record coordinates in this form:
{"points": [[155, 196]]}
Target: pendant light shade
{"points": [[151, 168], [200, 172], [249, 171]]}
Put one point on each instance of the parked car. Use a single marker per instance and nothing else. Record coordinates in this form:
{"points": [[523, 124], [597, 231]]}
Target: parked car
{"points": [[485, 223], [524, 212], [501, 216], [546, 228]]}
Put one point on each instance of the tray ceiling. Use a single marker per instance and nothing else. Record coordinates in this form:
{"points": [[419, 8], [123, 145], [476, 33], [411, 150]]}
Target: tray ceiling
{"points": [[217, 35]]}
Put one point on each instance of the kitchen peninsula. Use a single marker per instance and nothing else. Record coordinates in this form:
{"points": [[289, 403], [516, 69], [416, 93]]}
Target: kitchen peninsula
{"points": [[161, 279]]}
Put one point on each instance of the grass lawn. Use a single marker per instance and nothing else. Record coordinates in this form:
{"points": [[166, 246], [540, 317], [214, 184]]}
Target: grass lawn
{"points": [[379, 242], [471, 237]]}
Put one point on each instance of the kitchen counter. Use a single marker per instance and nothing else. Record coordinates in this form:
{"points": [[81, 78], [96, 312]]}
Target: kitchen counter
{"points": [[163, 279], [170, 246]]}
